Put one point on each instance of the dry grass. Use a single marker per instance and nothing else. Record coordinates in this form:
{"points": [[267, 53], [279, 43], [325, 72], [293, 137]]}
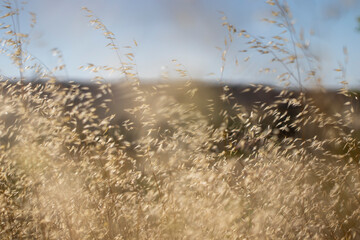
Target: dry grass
{"points": [[204, 168]]}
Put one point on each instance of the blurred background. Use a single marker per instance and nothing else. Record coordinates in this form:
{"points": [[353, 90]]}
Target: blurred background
{"points": [[189, 31]]}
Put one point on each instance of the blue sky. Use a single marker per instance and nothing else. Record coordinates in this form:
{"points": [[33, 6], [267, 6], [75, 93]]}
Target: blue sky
{"points": [[189, 31]]}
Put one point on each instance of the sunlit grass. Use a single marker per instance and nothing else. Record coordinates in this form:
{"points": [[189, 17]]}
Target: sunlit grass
{"points": [[175, 161]]}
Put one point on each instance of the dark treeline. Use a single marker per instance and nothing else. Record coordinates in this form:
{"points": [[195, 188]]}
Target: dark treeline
{"points": [[272, 108]]}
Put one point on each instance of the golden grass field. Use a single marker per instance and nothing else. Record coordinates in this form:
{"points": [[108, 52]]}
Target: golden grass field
{"points": [[178, 160]]}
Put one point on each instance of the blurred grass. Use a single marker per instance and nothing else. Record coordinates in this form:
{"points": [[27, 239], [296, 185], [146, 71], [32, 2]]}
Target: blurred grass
{"points": [[179, 160]]}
